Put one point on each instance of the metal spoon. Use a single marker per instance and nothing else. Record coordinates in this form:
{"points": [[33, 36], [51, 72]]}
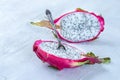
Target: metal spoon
{"points": [[49, 15]]}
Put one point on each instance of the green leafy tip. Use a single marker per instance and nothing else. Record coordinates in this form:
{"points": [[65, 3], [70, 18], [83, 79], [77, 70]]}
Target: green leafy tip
{"points": [[80, 63], [105, 60], [90, 54], [100, 60]]}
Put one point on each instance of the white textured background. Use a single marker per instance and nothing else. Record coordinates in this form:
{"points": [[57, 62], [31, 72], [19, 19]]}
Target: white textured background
{"points": [[18, 61]]}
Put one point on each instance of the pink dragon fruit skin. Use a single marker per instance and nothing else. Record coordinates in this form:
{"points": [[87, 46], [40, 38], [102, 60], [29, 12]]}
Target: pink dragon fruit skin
{"points": [[59, 62], [100, 19]]}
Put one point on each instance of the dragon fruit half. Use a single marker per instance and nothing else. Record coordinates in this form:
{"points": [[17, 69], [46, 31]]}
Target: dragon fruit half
{"points": [[59, 58], [80, 26], [77, 26]]}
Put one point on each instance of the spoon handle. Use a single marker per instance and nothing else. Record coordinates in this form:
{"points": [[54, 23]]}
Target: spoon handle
{"points": [[49, 15]]}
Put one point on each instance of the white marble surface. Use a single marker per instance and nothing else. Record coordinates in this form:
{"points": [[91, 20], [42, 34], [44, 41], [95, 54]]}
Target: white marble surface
{"points": [[18, 61]]}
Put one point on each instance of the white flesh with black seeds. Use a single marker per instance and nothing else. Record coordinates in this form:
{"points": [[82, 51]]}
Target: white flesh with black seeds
{"points": [[79, 26], [69, 53]]}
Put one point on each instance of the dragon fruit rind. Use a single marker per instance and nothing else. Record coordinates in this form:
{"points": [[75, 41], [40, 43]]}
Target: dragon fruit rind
{"points": [[47, 51]]}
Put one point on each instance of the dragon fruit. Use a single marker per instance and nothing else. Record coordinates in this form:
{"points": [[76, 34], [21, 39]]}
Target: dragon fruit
{"points": [[71, 57], [77, 26], [80, 26]]}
